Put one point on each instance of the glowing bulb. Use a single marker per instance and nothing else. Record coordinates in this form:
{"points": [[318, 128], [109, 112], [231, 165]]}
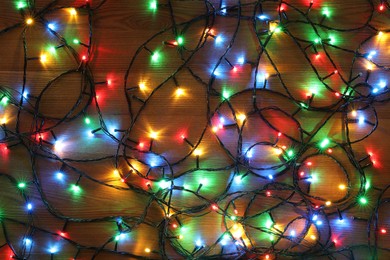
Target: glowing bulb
{"points": [[219, 39], [328, 203], [203, 181], [60, 176], [241, 117], [29, 206], [165, 184], [361, 119], [313, 237], [43, 58], [29, 21], [179, 92], [53, 250], [363, 200], [21, 5], [153, 135], [153, 5], [22, 185], [325, 12], [147, 250], [197, 152], [3, 121], [180, 40], [324, 143], [28, 241], [76, 41], [155, 56], [354, 113], [241, 60], [116, 173], [72, 11], [76, 188], [342, 187], [51, 26], [142, 86]]}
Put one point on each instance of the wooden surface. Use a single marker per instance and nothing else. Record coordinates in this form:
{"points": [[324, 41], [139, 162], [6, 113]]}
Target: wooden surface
{"points": [[119, 29]]}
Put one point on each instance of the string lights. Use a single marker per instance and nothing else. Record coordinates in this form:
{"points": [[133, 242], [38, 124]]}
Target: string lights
{"points": [[270, 205]]}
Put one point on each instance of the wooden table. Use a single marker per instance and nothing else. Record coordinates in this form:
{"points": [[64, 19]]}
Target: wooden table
{"points": [[250, 139]]}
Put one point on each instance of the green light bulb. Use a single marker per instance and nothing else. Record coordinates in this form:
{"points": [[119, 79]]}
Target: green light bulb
{"points": [[180, 40], [324, 143], [153, 5], [22, 185], [155, 57], [21, 5], [363, 200]]}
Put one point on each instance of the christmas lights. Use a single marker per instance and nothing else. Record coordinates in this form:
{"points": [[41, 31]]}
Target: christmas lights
{"points": [[280, 170]]}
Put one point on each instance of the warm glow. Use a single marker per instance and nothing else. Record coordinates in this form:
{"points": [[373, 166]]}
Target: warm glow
{"points": [[197, 152], [241, 117], [147, 250], [278, 151], [72, 11], [342, 187], [43, 58], [142, 86], [328, 203], [313, 237], [116, 172], [179, 92], [29, 21], [3, 120], [153, 135]]}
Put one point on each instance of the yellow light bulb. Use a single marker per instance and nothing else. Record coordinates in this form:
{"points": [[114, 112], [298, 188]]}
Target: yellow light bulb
{"points": [[72, 11], [3, 120], [354, 113], [116, 172], [241, 117], [313, 237], [153, 135], [142, 86], [278, 151], [147, 250], [179, 92], [197, 152], [29, 21], [43, 58], [342, 187], [328, 203]]}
